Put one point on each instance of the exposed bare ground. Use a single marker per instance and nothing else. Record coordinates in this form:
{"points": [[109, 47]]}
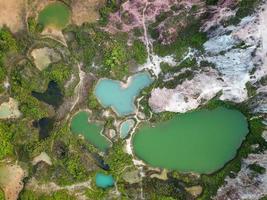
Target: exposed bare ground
{"points": [[43, 57], [9, 109], [11, 177], [12, 14], [85, 10]]}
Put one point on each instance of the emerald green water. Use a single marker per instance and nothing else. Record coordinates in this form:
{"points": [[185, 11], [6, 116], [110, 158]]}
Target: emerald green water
{"points": [[201, 141], [55, 14], [91, 132], [111, 93]]}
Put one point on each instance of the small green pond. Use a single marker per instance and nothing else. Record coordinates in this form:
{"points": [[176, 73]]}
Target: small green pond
{"points": [[121, 97], [55, 14], [201, 141], [104, 181], [90, 131]]}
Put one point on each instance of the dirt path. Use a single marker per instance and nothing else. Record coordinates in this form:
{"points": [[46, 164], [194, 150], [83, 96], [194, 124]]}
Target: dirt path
{"points": [[51, 187], [78, 90]]}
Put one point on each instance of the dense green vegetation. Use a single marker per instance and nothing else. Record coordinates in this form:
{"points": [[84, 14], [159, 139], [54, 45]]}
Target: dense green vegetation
{"points": [[33, 26], [115, 57], [23, 81], [117, 159], [96, 193], [189, 37], [111, 6], [109, 53], [257, 168], [245, 8], [8, 45], [211, 2], [7, 41], [6, 147], [139, 52], [59, 72], [59, 195], [2, 197]]}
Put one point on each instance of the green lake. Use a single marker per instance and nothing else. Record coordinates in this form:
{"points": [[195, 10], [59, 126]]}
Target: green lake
{"points": [[201, 141], [90, 131], [55, 14], [121, 96]]}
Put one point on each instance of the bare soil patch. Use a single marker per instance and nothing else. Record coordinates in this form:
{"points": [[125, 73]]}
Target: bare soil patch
{"points": [[44, 56], [86, 10], [11, 177], [12, 14]]}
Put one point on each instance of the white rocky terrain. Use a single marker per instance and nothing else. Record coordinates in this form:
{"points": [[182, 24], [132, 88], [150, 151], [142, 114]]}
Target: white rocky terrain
{"points": [[235, 65], [247, 185]]}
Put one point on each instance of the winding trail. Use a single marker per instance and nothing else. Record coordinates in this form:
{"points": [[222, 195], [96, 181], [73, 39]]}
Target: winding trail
{"points": [[149, 45], [47, 188], [147, 42], [77, 89]]}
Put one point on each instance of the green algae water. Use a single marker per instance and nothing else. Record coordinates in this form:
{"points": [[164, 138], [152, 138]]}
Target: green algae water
{"points": [[104, 181], [55, 14], [91, 132], [201, 141], [112, 93]]}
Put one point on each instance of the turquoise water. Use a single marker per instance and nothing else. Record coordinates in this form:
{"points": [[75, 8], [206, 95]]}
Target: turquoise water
{"points": [[110, 93], [104, 181], [125, 128]]}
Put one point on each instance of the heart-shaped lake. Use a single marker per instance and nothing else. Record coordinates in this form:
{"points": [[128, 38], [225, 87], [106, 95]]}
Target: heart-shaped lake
{"points": [[121, 96]]}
